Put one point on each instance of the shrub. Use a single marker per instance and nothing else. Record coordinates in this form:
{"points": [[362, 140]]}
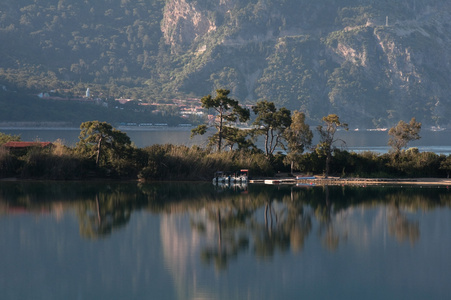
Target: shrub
{"points": [[8, 163], [45, 164]]}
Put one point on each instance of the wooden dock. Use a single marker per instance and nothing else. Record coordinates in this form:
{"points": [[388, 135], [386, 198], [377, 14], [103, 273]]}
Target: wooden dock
{"points": [[351, 181]]}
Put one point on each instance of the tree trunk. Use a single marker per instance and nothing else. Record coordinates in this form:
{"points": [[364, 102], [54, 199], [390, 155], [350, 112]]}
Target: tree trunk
{"points": [[99, 216], [218, 214], [327, 165], [220, 132], [99, 145]]}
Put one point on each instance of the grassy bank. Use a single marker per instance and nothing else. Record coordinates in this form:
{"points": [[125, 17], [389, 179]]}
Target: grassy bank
{"points": [[158, 162], [175, 162]]}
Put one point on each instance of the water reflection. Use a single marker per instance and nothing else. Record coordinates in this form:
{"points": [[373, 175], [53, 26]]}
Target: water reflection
{"points": [[274, 218], [200, 242], [109, 211]]}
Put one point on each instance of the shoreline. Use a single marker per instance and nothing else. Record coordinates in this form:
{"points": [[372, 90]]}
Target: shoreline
{"points": [[122, 128], [319, 181], [61, 125]]}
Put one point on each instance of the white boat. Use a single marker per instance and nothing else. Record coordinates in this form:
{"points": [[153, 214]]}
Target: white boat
{"points": [[231, 178]]}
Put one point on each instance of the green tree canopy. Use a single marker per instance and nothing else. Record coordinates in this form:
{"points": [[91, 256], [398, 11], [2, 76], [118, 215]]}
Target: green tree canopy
{"points": [[240, 137], [327, 137], [227, 111], [403, 133], [100, 138], [298, 136], [271, 123]]}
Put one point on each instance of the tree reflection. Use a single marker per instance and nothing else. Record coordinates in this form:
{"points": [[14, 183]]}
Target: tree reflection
{"points": [[268, 220], [99, 218], [230, 240], [299, 224], [326, 229], [402, 228], [271, 235], [111, 209], [264, 220], [284, 228]]}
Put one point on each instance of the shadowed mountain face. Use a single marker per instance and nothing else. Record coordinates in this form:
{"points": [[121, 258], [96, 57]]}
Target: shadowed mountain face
{"points": [[371, 62]]}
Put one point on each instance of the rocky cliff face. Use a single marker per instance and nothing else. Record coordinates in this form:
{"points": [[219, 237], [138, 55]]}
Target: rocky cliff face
{"points": [[368, 64], [183, 22]]}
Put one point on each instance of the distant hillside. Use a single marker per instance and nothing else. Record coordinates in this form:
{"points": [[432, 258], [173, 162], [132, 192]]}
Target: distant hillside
{"points": [[19, 108], [371, 62]]}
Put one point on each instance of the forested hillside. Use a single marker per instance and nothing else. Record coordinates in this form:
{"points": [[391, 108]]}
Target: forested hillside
{"points": [[371, 62]]}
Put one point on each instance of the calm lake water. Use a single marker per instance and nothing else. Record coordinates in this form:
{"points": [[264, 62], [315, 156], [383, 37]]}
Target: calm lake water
{"points": [[141, 138], [194, 241], [433, 141]]}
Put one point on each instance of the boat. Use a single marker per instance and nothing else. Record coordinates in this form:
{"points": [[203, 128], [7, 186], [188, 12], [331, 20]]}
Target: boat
{"points": [[229, 178]]}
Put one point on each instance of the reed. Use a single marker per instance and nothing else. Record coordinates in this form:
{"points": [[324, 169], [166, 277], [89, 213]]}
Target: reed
{"points": [[174, 162]]}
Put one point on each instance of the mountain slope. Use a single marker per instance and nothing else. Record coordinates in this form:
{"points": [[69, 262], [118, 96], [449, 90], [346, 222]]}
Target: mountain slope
{"points": [[371, 62]]}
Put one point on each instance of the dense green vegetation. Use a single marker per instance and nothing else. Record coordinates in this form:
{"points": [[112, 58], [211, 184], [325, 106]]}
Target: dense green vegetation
{"points": [[104, 152], [320, 57], [95, 41], [170, 162]]}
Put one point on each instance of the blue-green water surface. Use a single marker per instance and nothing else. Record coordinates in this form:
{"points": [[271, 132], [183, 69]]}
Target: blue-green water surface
{"points": [[194, 241]]}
